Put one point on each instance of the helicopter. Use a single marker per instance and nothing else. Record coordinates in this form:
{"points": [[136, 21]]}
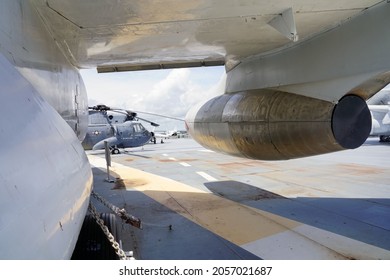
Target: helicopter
{"points": [[118, 127]]}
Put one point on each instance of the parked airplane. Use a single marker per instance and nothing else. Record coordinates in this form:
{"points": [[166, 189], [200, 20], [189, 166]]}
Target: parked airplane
{"points": [[379, 106], [164, 135], [380, 122], [286, 96], [119, 128]]}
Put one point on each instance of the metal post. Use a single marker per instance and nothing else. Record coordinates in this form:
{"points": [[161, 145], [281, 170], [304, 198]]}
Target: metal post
{"points": [[108, 161]]}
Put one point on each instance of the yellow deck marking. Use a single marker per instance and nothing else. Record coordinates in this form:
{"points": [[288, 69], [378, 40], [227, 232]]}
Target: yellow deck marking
{"points": [[235, 222], [264, 234]]}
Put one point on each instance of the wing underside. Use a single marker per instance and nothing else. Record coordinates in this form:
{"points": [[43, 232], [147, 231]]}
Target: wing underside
{"points": [[137, 35]]}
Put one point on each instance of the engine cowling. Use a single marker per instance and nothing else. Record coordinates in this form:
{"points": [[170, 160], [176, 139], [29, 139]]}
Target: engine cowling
{"points": [[275, 125]]}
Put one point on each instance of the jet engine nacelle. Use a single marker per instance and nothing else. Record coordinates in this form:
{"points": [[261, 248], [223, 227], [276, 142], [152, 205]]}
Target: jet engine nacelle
{"points": [[275, 125]]}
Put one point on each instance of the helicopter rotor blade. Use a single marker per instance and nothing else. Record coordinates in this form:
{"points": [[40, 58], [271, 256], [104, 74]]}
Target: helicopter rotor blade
{"points": [[124, 112], [151, 123], [132, 114], [159, 115]]}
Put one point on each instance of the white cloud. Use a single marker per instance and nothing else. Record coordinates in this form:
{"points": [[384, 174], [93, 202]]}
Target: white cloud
{"points": [[166, 92]]}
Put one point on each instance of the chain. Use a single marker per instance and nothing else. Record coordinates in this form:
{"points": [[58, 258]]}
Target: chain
{"points": [[129, 219], [121, 254]]}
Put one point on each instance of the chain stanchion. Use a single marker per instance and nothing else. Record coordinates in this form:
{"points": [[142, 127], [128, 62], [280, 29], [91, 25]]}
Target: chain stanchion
{"points": [[120, 253], [127, 218]]}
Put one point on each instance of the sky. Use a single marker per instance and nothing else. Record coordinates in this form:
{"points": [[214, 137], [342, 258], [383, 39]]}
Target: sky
{"points": [[167, 92]]}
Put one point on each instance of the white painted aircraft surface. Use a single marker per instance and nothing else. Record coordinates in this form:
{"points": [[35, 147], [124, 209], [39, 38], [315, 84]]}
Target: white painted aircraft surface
{"points": [[164, 134], [297, 71], [380, 122], [379, 106]]}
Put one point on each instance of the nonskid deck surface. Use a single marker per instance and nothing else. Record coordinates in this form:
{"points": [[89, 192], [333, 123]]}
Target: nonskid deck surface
{"points": [[197, 204]]}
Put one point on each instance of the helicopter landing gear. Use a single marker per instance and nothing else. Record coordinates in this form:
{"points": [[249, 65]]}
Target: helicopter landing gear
{"points": [[115, 151], [384, 138]]}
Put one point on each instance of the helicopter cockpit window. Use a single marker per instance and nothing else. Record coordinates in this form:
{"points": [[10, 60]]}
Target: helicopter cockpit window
{"points": [[138, 127]]}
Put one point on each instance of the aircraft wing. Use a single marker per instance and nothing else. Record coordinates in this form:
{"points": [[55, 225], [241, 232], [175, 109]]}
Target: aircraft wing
{"points": [[137, 35], [297, 70]]}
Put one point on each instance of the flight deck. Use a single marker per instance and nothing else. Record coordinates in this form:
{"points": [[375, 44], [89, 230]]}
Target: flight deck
{"points": [[198, 204]]}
